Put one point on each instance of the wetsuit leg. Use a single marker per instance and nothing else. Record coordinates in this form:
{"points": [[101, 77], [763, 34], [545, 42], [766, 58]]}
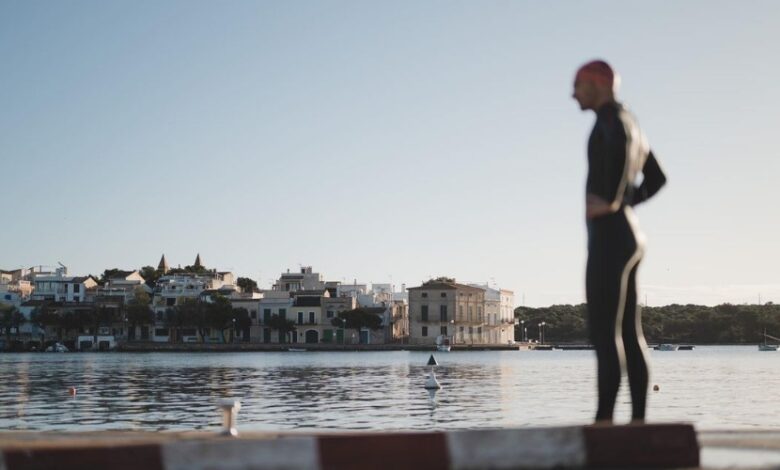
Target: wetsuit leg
{"points": [[634, 343], [602, 290]]}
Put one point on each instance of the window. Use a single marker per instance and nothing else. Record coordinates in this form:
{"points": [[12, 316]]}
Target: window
{"points": [[300, 318], [76, 288], [329, 314], [266, 316], [170, 301], [444, 330], [471, 312], [471, 330], [311, 318], [254, 314], [283, 313], [425, 294], [423, 313], [460, 311], [159, 316], [479, 330], [461, 330], [444, 294], [442, 313], [425, 331], [161, 332]]}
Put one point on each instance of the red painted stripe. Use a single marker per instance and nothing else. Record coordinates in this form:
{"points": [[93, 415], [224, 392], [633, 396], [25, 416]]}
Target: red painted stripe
{"points": [[145, 457], [384, 452], [649, 445]]}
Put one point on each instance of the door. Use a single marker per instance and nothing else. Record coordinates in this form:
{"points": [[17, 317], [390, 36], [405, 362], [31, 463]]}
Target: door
{"points": [[312, 336]]}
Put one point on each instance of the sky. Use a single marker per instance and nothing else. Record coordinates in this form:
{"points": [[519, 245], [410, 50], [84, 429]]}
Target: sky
{"points": [[386, 141]]}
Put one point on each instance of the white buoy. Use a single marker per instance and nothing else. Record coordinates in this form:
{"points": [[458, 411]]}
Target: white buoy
{"points": [[431, 383]]}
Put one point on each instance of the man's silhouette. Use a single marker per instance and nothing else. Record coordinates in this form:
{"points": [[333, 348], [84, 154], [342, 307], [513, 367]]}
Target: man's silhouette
{"points": [[617, 154]]}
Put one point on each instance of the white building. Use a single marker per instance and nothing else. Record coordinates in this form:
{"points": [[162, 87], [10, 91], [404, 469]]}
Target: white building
{"points": [[305, 279], [59, 287], [499, 314]]}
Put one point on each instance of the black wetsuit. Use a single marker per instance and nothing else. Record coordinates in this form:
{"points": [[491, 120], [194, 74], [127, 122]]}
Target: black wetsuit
{"points": [[617, 153]]}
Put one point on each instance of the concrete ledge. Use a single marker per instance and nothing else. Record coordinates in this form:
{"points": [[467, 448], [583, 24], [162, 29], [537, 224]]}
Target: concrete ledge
{"points": [[656, 446]]}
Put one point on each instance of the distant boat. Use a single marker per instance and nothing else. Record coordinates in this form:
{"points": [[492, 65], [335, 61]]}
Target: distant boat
{"points": [[766, 346], [667, 347], [57, 347], [296, 349], [443, 344]]}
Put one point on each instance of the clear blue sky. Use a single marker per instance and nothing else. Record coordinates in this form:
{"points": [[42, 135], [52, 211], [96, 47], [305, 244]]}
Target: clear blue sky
{"points": [[385, 141]]}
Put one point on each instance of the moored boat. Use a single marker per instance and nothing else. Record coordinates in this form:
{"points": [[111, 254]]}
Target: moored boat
{"points": [[765, 346]]}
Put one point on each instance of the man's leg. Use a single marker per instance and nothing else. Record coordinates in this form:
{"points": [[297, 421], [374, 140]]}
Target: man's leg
{"points": [[635, 345], [602, 290]]}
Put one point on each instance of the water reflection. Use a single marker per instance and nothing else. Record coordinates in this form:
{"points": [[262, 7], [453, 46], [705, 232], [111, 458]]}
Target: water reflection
{"points": [[383, 390]]}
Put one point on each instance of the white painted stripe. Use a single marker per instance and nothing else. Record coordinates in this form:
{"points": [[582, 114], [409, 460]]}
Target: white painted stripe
{"points": [[282, 453], [517, 448]]}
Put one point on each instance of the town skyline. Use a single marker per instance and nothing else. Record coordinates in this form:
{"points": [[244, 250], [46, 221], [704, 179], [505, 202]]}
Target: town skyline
{"points": [[386, 142]]}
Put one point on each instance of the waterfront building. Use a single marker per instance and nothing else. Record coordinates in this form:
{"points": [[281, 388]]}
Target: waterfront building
{"points": [[15, 286], [274, 303], [60, 287], [172, 290], [306, 310], [499, 315], [305, 279], [123, 285], [443, 307]]}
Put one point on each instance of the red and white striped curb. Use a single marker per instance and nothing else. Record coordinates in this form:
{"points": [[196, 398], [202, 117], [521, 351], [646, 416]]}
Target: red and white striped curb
{"points": [[658, 446]]}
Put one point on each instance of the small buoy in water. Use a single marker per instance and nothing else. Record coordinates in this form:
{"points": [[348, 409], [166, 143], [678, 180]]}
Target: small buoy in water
{"points": [[72, 391], [432, 361], [656, 388], [431, 383]]}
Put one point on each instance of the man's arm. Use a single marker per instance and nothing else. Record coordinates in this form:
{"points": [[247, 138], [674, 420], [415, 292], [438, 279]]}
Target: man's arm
{"points": [[653, 179]]}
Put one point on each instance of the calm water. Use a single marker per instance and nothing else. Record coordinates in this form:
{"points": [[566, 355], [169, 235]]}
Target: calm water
{"points": [[714, 387]]}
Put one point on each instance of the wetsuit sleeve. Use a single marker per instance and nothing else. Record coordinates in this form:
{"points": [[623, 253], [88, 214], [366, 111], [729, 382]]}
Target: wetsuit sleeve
{"points": [[653, 179]]}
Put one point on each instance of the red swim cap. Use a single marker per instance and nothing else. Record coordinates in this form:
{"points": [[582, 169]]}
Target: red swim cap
{"points": [[597, 71]]}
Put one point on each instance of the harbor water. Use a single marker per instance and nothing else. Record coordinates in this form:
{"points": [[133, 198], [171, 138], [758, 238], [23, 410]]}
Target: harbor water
{"points": [[729, 387]]}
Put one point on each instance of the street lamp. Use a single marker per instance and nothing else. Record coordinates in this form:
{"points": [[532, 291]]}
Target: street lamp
{"points": [[233, 333], [522, 330]]}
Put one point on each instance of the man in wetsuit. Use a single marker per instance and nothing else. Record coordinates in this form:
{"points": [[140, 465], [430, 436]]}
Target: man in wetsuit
{"points": [[617, 153]]}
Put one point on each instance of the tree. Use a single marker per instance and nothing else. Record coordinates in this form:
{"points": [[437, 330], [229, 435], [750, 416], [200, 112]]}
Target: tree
{"points": [[45, 316], [138, 311], [219, 314], [150, 275], [107, 274], [282, 325], [11, 319], [357, 319], [241, 320], [193, 313], [246, 284]]}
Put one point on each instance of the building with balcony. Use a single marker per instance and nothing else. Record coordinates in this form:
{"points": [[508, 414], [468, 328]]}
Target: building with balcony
{"points": [[60, 287], [443, 307]]}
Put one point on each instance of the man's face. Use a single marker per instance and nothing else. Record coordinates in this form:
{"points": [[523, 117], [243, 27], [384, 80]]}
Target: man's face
{"points": [[585, 93]]}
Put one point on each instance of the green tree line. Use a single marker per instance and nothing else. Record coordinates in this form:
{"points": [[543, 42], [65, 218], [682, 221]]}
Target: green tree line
{"points": [[699, 324]]}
